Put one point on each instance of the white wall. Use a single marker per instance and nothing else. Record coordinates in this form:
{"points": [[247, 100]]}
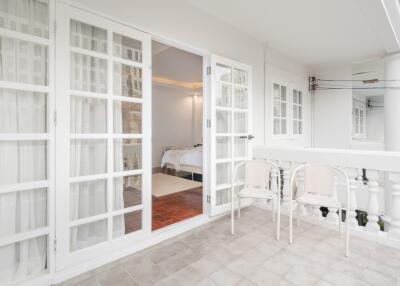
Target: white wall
{"points": [[281, 68], [174, 120], [179, 21], [332, 111], [376, 123]]}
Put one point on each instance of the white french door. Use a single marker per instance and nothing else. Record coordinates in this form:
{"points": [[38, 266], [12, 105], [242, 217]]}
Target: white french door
{"points": [[103, 136], [26, 140], [230, 128]]}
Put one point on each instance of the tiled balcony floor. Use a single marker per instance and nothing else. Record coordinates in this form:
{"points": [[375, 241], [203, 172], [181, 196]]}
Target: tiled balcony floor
{"points": [[209, 256]]}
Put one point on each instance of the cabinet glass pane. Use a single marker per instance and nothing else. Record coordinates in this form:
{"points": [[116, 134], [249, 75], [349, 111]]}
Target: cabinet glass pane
{"points": [[240, 122], [88, 199], [30, 255], [88, 157], [223, 121], [127, 154], [224, 73], [127, 117], [240, 97], [223, 147], [223, 173], [127, 81], [22, 161], [127, 223], [24, 210], [127, 191], [23, 61], [240, 77], [22, 111], [224, 95], [88, 37], [127, 48], [88, 73], [240, 149], [89, 234], [28, 17], [88, 115]]}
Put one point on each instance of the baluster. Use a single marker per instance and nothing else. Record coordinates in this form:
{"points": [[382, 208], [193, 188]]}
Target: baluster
{"points": [[333, 216], [300, 191], [395, 209], [373, 203], [274, 189], [353, 200]]}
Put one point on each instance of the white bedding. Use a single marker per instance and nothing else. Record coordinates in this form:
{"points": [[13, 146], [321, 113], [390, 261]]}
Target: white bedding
{"points": [[177, 157]]}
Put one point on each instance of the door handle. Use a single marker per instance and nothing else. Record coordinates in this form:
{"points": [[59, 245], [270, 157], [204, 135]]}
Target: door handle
{"points": [[250, 137]]}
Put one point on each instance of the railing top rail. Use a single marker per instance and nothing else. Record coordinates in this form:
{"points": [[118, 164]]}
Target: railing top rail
{"points": [[373, 160]]}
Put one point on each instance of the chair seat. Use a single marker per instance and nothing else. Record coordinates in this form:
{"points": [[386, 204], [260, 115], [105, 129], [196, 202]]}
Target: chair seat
{"points": [[255, 193], [324, 201]]}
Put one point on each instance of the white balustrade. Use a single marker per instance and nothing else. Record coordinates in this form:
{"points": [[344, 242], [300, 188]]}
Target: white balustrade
{"points": [[367, 194]]}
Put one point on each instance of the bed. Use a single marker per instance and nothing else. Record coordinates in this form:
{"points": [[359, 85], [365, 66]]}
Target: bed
{"points": [[183, 159]]}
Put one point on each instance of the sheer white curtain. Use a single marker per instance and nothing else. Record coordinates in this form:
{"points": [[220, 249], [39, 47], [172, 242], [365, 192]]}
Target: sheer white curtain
{"points": [[22, 161], [89, 156]]}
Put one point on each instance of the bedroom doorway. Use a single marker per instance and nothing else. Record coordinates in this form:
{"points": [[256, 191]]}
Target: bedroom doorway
{"points": [[177, 135]]}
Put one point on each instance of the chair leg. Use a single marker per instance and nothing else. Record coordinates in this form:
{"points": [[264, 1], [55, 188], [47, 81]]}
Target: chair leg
{"points": [[239, 199], [347, 233], [278, 225], [340, 221], [298, 214], [233, 216], [273, 209], [290, 222]]}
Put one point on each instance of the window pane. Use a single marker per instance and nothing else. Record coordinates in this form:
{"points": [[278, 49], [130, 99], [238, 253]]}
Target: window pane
{"points": [[88, 199], [224, 95], [240, 77], [29, 17], [89, 234], [277, 95], [300, 112], [283, 109], [22, 161], [223, 121], [295, 124], [295, 112], [277, 108], [277, 126], [127, 223], [88, 115], [223, 148], [300, 98], [127, 117], [240, 149], [22, 111], [300, 127], [30, 255], [223, 173], [88, 37], [127, 81], [240, 97], [223, 196], [294, 96], [18, 207], [127, 154], [127, 48], [283, 93], [88, 157], [88, 73], [240, 123], [224, 73], [127, 191], [283, 122], [23, 62]]}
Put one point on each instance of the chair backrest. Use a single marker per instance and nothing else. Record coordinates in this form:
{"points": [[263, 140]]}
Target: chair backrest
{"points": [[257, 173], [319, 180]]}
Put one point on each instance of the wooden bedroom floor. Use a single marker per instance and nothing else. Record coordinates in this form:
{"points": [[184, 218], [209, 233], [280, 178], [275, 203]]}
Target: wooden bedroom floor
{"points": [[176, 207]]}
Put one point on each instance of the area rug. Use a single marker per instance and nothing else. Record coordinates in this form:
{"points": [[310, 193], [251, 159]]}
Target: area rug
{"points": [[164, 184]]}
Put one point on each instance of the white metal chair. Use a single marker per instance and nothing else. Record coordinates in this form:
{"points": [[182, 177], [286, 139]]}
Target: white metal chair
{"points": [[261, 181], [319, 190]]}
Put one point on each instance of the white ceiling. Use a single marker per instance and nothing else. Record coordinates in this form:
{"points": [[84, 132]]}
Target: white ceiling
{"points": [[313, 32]]}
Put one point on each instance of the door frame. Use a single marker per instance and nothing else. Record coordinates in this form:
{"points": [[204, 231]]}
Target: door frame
{"points": [[206, 131]]}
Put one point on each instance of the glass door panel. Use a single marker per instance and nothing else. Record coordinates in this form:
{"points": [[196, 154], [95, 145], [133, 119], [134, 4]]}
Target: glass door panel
{"points": [[26, 141], [107, 104], [230, 105]]}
